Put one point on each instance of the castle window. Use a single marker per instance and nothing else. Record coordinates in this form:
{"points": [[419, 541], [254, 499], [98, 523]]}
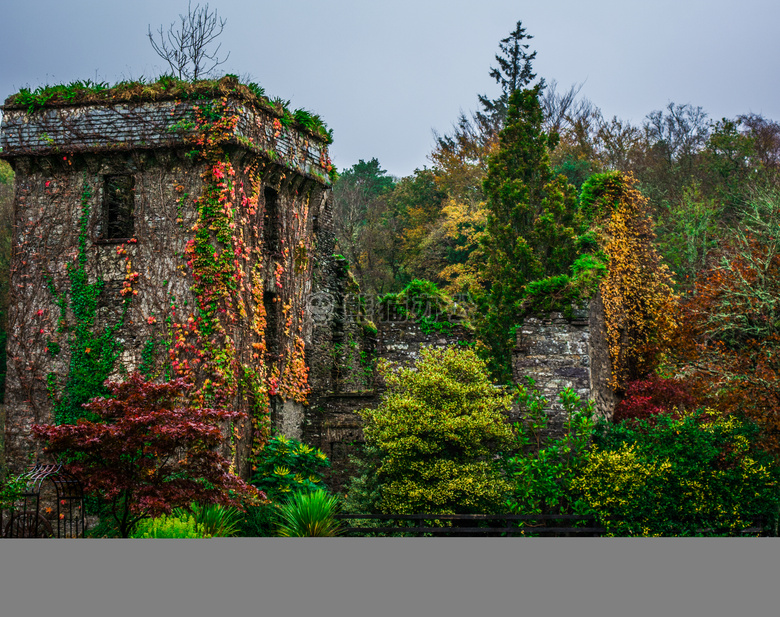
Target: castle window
{"points": [[273, 308], [118, 202], [271, 221]]}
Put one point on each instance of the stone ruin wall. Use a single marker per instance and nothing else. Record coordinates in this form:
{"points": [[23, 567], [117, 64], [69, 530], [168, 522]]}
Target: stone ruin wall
{"points": [[333, 423], [559, 352], [342, 336]]}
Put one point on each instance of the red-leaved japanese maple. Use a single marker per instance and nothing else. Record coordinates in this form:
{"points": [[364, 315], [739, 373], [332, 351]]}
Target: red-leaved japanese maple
{"points": [[646, 398], [150, 453]]}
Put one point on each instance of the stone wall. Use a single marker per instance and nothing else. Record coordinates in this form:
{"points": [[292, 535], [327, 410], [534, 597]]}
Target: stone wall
{"points": [[559, 352]]}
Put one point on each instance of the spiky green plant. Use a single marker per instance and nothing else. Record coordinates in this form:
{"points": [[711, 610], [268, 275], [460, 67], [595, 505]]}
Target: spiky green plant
{"points": [[309, 515], [216, 520]]}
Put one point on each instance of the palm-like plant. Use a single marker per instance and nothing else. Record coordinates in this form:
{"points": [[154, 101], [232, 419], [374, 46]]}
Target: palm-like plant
{"points": [[309, 515], [217, 521]]}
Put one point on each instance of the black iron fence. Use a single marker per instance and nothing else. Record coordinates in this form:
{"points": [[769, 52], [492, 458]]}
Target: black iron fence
{"points": [[52, 505], [515, 525], [472, 525]]}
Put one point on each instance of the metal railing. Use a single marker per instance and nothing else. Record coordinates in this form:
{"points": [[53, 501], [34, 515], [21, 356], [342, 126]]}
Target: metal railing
{"points": [[516, 525], [468, 525]]}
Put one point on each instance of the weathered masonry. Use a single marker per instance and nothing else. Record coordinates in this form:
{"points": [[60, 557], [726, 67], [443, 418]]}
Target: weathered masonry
{"points": [[560, 352], [178, 236]]}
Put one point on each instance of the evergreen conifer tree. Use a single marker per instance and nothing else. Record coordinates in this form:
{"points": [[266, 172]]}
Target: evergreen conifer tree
{"points": [[530, 225], [513, 73]]}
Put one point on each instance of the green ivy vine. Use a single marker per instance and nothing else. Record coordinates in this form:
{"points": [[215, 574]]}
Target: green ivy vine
{"points": [[93, 354]]}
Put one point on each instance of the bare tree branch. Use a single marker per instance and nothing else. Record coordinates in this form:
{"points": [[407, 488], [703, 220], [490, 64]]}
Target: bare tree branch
{"points": [[559, 107], [185, 46]]}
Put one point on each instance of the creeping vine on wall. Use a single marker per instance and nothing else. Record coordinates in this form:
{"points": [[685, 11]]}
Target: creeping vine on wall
{"points": [[206, 293], [93, 349], [637, 289], [228, 263]]}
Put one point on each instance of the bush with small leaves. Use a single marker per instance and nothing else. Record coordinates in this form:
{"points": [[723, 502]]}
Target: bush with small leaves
{"points": [[646, 398], [542, 470], [435, 436], [678, 476], [286, 465], [174, 526]]}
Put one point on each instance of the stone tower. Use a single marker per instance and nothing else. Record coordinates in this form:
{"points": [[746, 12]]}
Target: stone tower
{"points": [[175, 229]]}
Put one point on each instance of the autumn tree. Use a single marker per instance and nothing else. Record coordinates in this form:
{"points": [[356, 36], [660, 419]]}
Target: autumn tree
{"points": [[459, 167], [146, 452], [618, 145], [730, 339], [576, 122], [416, 202], [765, 134], [360, 214]]}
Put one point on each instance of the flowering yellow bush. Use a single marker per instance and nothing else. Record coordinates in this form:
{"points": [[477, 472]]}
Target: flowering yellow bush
{"points": [[678, 476]]}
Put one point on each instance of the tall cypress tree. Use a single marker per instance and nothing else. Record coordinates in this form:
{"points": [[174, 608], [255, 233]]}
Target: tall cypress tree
{"points": [[530, 226]]}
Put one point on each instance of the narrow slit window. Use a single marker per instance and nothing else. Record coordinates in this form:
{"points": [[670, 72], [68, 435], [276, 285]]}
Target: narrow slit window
{"points": [[118, 202], [271, 221], [272, 320]]}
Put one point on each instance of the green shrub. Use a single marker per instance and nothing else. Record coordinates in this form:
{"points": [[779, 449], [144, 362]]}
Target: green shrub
{"points": [[181, 526], [308, 515], [427, 305], [11, 488], [433, 438], [541, 471], [286, 465], [677, 476], [215, 520], [259, 521]]}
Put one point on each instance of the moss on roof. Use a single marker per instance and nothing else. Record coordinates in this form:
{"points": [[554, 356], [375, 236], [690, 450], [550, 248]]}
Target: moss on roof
{"points": [[166, 88]]}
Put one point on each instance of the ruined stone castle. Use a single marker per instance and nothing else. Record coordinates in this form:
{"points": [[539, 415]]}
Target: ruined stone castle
{"points": [[189, 235]]}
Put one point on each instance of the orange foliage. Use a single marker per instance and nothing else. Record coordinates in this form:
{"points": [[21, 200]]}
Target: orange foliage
{"points": [[637, 292], [730, 332]]}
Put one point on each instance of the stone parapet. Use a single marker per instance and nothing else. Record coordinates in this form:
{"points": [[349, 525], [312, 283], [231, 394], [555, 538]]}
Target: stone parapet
{"points": [[157, 124]]}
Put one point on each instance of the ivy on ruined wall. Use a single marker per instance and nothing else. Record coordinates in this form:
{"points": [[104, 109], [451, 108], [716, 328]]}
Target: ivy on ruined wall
{"points": [[193, 286], [93, 348], [637, 288], [228, 282]]}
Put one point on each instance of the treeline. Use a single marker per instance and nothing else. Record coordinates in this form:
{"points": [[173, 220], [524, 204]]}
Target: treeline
{"points": [[456, 222], [697, 174], [534, 203]]}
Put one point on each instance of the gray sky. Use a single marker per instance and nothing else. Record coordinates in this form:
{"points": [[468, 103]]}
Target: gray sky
{"points": [[384, 74]]}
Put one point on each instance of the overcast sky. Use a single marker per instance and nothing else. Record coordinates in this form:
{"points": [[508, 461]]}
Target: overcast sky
{"points": [[384, 74]]}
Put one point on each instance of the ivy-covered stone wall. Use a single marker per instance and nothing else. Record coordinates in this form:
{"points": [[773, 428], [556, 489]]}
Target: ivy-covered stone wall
{"points": [[188, 256]]}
